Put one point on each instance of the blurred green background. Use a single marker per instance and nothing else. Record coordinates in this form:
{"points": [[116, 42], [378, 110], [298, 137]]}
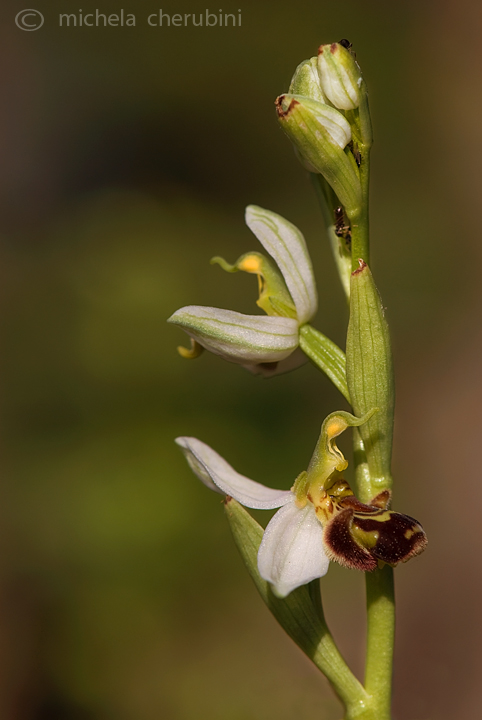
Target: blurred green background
{"points": [[127, 156]]}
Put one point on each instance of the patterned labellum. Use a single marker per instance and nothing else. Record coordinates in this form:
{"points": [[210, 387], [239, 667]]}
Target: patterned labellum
{"points": [[358, 536]]}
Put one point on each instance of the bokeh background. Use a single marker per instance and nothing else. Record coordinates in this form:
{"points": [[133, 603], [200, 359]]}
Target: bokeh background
{"points": [[127, 156]]}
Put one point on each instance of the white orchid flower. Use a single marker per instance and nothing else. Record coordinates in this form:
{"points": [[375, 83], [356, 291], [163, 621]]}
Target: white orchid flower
{"points": [[291, 552], [319, 519], [263, 344]]}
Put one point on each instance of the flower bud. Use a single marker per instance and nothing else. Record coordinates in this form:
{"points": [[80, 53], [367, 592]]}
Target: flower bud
{"points": [[340, 76], [320, 133], [306, 81], [369, 375]]}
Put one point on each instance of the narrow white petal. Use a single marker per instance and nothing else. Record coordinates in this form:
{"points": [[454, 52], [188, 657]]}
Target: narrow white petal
{"points": [[287, 246], [291, 552], [243, 339], [218, 475]]}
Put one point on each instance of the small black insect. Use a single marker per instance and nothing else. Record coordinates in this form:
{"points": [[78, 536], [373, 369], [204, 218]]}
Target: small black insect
{"points": [[342, 230], [346, 43], [355, 152]]}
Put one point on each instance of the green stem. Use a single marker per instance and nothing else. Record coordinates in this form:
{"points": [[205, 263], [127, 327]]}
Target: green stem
{"points": [[380, 639], [360, 225], [364, 488], [379, 584]]}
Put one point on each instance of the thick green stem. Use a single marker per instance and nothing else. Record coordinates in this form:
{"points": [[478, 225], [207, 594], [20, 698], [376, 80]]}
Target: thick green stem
{"points": [[364, 488], [380, 639], [379, 584]]}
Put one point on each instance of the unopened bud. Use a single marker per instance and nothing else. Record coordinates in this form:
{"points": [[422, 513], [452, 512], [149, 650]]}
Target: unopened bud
{"points": [[340, 76], [320, 133]]}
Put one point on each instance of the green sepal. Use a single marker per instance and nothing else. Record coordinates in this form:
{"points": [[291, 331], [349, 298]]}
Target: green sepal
{"points": [[304, 122], [306, 81], [326, 355], [274, 296], [300, 614], [369, 371]]}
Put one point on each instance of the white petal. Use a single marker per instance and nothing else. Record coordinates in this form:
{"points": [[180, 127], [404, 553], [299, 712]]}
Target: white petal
{"points": [[244, 339], [216, 473], [291, 551], [287, 246]]}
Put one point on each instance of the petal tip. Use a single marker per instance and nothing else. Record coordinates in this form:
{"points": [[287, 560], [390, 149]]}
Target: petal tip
{"points": [[250, 214]]}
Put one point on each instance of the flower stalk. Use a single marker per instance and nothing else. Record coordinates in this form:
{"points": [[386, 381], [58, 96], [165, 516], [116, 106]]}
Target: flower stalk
{"points": [[380, 598]]}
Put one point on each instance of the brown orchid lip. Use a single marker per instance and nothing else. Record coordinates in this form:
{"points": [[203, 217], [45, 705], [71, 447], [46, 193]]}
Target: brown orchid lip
{"points": [[359, 535]]}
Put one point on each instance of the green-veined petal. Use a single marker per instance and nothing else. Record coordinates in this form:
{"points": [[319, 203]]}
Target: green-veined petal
{"points": [[243, 339], [287, 246], [215, 472]]}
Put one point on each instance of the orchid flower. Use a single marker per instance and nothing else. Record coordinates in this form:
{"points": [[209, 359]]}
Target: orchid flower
{"points": [[287, 293], [318, 519]]}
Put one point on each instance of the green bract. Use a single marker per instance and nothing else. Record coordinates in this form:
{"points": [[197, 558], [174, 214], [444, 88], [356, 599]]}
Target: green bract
{"points": [[369, 373]]}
